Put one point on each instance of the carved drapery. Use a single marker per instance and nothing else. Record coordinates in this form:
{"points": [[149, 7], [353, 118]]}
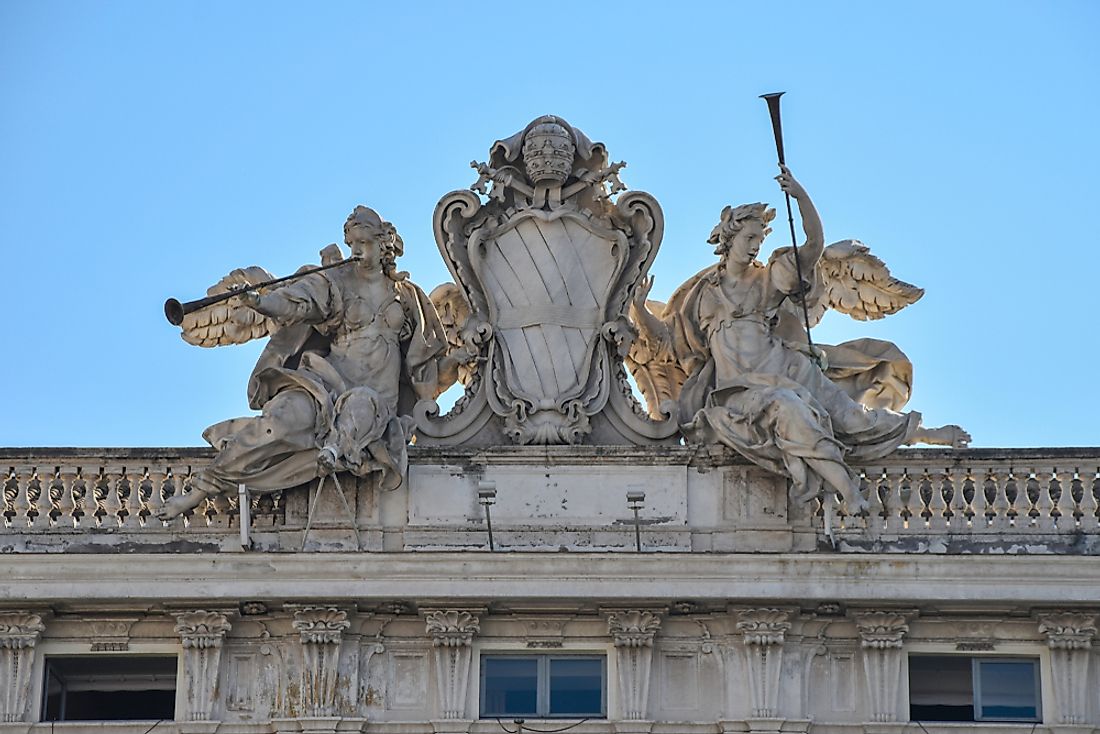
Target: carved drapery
{"points": [[19, 633], [452, 632], [320, 630], [763, 633], [881, 635], [1069, 635], [633, 632], [202, 634]]}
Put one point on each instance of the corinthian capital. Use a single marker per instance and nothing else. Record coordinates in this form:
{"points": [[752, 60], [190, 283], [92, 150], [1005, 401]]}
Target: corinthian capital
{"points": [[451, 627], [634, 627], [1068, 630], [201, 629], [882, 630], [20, 629], [321, 625], [764, 626]]}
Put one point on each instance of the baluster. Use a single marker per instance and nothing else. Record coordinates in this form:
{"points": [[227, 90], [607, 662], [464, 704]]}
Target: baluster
{"points": [[979, 503], [937, 504], [134, 478], [1090, 502], [876, 508], [914, 504], [1002, 508], [893, 504], [1044, 502], [217, 510], [66, 503], [1066, 507], [158, 478], [43, 504], [90, 510], [7, 495], [112, 501], [955, 481], [22, 505]]}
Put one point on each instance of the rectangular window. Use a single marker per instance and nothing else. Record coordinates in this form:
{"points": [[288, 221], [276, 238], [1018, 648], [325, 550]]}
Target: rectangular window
{"points": [[109, 688], [961, 688], [544, 686]]}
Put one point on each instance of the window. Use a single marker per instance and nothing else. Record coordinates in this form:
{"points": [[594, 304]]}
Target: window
{"points": [[109, 688], [961, 688], [544, 686]]}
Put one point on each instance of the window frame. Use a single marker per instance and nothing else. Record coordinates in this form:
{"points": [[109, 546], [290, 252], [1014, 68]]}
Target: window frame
{"points": [[542, 681], [1037, 661]]}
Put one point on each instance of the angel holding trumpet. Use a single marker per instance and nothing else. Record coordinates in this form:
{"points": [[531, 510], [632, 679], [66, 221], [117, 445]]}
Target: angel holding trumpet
{"points": [[722, 349]]}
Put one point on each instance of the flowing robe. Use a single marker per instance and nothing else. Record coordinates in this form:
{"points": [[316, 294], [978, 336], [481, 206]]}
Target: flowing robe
{"points": [[758, 394], [337, 376]]}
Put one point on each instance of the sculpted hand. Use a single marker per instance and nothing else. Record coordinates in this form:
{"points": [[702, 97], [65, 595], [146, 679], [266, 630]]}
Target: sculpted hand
{"points": [[251, 299], [641, 294], [789, 184]]}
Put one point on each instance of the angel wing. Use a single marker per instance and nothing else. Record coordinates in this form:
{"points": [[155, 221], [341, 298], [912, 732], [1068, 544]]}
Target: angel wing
{"points": [[855, 282], [453, 312], [654, 368], [228, 322]]}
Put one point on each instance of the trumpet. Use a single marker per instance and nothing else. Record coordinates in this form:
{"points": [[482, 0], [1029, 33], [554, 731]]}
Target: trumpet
{"points": [[175, 311]]}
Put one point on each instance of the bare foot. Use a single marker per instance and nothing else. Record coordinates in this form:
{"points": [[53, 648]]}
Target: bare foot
{"points": [[949, 435], [179, 504]]}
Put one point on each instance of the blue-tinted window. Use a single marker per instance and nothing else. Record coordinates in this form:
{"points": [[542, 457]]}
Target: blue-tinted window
{"points": [[545, 686], [962, 688]]}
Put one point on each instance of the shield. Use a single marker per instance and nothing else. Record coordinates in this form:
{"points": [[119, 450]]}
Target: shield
{"points": [[547, 278]]}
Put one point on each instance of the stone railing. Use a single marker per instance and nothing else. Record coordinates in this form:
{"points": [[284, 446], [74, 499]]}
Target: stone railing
{"points": [[922, 501]]}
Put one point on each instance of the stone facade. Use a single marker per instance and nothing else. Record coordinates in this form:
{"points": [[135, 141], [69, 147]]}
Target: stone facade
{"points": [[743, 612]]}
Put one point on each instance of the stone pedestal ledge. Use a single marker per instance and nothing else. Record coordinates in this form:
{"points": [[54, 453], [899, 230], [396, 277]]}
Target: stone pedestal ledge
{"points": [[632, 726], [887, 727], [451, 726], [197, 727]]}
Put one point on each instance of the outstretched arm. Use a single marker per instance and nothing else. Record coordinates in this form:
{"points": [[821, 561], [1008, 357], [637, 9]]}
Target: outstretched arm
{"points": [[305, 301], [810, 251]]}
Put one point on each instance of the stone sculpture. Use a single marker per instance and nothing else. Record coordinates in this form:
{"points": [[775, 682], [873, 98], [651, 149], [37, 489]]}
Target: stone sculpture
{"points": [[544, 270], [351, 350], [722, 348]]}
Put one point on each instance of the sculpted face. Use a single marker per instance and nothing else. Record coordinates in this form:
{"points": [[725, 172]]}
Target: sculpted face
{"points": [[363, 233], [745, 244]]}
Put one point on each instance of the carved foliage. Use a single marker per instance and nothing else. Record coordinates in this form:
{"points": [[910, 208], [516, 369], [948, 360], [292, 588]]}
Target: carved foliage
{"points": [[19, 632], [320, 630], [452, 632], [201, 633], [881, 634], [1069, 635], [763, 632], [633, 632]]}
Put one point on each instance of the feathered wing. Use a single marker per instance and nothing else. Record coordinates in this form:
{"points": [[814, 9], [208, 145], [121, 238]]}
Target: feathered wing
{"points": [[228, 322], [855, 282], [453, 312]]}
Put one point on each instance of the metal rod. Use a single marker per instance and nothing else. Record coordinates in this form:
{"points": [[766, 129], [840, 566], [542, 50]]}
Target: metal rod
{"points": [[637, 531], [777, 130], [174, 311], [489, 527]]}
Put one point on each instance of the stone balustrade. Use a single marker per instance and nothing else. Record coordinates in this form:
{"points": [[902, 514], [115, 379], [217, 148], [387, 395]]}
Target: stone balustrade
{"points": [[922, 501]]}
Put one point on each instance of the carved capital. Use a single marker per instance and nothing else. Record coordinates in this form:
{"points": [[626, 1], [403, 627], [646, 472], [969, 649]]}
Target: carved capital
{"points": [[881, 630], [19, 630], [763, 626], [634, 627], [201, 629], [1068, 630], [451, 627], [321, 625]]}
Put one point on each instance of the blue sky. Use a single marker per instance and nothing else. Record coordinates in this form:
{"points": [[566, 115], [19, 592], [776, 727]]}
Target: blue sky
{"points": [[146, 149]]}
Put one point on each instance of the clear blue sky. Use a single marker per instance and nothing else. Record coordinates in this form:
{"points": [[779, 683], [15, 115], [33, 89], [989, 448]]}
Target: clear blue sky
{"points": [[147, 148]]}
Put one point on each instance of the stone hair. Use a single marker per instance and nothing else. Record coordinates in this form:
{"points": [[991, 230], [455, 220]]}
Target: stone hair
{"points": [[733, 219]]}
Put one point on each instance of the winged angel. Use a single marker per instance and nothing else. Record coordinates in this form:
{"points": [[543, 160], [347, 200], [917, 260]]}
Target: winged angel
{"points": [[726, 348], [352, 349]]}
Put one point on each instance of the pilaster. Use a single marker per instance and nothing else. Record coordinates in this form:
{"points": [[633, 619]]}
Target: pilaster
{"points": [[633, 631], [19, 632], [452, 632], [320, 630], [763, 633], [1069, 635], [201, 633], [881, 635]]}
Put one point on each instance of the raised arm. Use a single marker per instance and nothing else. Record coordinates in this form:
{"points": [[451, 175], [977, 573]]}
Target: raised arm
{"points": [[810, 251], [305, 301]]}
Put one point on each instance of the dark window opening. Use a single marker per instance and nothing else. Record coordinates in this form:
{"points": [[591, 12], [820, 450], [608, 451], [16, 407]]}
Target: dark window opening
{"points": [[961, 688], [109, 688], [544, 686]]}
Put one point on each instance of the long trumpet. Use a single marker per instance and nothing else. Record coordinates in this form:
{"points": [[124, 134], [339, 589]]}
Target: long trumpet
{"points": [[174, 311]]}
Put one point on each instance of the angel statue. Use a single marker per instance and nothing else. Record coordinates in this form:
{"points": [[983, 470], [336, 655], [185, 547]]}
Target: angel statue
{"points": [[726, 349], [352, 349]]}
